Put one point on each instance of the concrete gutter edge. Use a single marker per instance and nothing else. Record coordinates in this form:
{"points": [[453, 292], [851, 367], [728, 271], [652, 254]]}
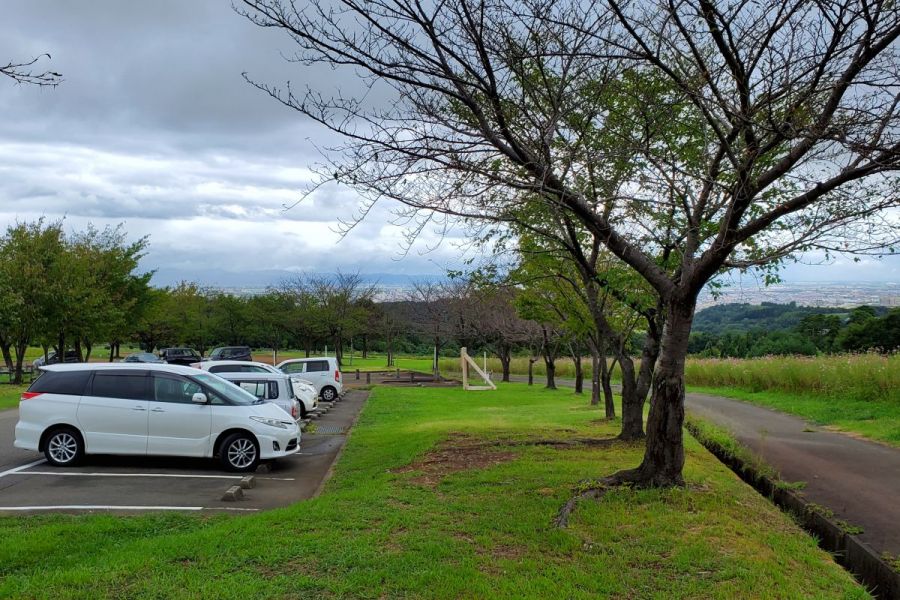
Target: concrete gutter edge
{"points": [[857, 557], [330, 472]]}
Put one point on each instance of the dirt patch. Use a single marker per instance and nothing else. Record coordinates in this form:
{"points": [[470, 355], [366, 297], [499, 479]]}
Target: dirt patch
{"points": [[459, 452]]}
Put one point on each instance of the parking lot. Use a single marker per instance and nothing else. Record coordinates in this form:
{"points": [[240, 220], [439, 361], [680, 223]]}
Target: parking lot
{"points": [[28, 484]]}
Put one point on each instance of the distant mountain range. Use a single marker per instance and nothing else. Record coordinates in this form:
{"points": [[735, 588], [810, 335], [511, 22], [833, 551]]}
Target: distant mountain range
{"points": [[221, 278]]}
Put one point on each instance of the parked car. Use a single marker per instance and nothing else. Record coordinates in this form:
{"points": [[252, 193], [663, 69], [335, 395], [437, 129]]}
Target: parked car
{"points": [[71, 356], [179, 356], [322, 372], [143, 357], [149, 409], [271, 387], [230, 353], [303, 390]]}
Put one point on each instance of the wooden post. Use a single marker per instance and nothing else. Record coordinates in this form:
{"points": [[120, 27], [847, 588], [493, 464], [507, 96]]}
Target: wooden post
{"points": [[368, 377], [357, 374]]}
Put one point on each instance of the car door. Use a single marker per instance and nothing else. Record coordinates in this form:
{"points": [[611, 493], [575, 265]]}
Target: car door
{"points": [[113, 414], [178, 426], [317, 371]]}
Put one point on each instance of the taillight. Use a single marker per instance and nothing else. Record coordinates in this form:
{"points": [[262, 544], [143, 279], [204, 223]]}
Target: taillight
{"points": [[337, 375], [30, 395], [294, 410]]}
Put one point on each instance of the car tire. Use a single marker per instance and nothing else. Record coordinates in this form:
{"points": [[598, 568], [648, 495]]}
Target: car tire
{"points": [[303, 411], [239, 452], [328, 394], [63, 447]]}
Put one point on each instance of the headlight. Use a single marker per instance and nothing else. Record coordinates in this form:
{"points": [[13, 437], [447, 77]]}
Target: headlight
{"points": [[270, 422]]}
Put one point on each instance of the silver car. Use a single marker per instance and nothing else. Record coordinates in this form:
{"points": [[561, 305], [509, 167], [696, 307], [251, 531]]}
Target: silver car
{"points": [[304, 391], [271, 387]]}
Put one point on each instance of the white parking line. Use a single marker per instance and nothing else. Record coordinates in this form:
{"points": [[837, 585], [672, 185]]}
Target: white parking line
{"points": [[177, 475], [113, 507], [19, 468]]}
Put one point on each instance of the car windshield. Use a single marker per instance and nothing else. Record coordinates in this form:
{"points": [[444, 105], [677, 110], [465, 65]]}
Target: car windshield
{"points": [[232, 393]]}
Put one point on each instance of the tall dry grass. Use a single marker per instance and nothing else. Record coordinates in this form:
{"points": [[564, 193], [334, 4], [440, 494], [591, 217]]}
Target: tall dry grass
{"points": [[853, 376]]}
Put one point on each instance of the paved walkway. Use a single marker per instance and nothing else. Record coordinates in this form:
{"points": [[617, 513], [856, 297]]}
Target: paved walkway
{"points": [[858, 480]]}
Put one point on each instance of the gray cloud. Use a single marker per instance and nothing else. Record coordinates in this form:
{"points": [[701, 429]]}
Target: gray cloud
{"points": [[154, 126]]}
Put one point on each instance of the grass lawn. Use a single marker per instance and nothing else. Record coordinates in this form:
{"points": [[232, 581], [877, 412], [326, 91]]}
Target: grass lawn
{"points": [[432, 498], [874, 419], [9, 395]]}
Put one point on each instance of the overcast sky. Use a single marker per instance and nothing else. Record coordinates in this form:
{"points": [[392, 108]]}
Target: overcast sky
{"points": [[154, 127]]}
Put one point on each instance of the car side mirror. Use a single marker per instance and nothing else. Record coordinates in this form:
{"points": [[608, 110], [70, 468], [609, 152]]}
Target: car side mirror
{"points": [[199, 398]]}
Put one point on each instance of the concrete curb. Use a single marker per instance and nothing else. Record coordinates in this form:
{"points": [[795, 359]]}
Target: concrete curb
{"points": [[866, 565], [337, 458], [233, 494]]}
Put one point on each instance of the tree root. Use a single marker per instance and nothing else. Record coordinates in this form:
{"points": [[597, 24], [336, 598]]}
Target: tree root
{"points": [[594, 490]]}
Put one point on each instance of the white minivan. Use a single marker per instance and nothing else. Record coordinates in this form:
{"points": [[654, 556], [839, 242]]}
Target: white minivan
{"points": [[149, 409], [322, 372]]}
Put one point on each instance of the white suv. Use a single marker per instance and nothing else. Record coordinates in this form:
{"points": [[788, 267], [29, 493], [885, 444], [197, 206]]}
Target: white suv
{"points": [[149, 409], [322, 372]]}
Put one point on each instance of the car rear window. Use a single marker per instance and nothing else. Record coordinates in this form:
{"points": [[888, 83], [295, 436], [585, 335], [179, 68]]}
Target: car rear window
{"points": [[55, 382], [313, 366], [120, 385]]}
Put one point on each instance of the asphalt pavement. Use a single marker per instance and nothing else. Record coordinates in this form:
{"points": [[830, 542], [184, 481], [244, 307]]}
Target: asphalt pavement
{"points": [[28, 484]]}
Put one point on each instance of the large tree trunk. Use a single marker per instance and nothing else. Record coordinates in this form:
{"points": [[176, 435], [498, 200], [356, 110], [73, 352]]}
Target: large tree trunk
{"points": [[595, 373], [112, 351], [549, 360], [6, 347], [605, 375], [20, 349], [390, 350], [339, 350], [632, 403], [505, 353], [579, 372], [531, 361], [78, 351], [365, 346], [88, 347], [664, 455]]}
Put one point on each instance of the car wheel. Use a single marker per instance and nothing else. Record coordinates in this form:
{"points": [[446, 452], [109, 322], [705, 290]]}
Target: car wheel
{"points": [[63, 447], [239, 452], [329, 394]]}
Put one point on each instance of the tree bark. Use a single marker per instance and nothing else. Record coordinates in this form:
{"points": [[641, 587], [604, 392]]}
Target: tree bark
{"points": [[608, 399], [20, 358], [595, 373], [531, 361], [632, 404], [505, 353], [365, 346], [664, 455], [6, 347], [579, 373]]}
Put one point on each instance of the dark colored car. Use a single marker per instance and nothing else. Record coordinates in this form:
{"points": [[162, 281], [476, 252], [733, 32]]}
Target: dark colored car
{"points": [[180, 356], [71, 356], [231, 353], [143, 357]]}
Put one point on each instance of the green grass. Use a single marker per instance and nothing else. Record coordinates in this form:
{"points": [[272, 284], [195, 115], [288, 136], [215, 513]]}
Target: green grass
{"points": [[10, 394], [378, 532], [874, 419]]}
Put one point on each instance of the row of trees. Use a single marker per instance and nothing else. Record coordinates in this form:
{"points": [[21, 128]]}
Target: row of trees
{"points": [[862, 330], [62, 291], [645, 147]]}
